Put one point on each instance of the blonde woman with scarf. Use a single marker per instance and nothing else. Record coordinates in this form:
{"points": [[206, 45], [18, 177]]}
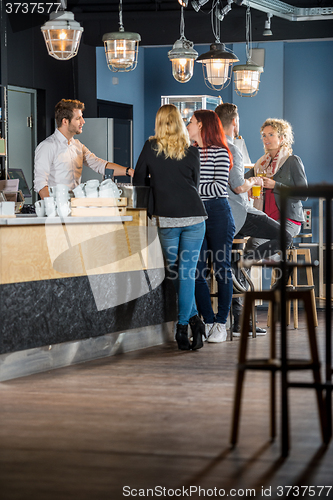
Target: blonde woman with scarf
{"points": [[279, 167]]}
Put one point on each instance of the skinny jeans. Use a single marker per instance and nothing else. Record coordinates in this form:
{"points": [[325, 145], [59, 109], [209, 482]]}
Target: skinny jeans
{"points": [[181, 248], [217, 244]]}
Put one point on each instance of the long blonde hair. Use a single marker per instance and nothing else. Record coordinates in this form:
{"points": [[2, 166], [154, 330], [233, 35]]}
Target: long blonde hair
{"points": [[283, 129], [171, 134]]}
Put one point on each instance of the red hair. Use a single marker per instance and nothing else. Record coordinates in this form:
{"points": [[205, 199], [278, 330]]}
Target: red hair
{"points": [[212, 133]]}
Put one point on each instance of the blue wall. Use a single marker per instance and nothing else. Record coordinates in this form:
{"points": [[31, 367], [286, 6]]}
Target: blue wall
{"points": [[308, 105], [128, 90]]}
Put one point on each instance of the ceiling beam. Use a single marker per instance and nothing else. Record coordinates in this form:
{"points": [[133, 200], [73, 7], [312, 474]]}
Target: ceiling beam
{"points": [[290, 12]]}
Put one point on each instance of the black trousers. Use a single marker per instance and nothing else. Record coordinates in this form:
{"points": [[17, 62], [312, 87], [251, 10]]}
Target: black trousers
{"points": [[258, 226]]}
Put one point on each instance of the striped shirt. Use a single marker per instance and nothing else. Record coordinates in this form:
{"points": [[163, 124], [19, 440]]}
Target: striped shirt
{"points": [[214, 172]]}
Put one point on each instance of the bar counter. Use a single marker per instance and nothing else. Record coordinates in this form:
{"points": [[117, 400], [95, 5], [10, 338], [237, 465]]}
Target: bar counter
{"points": [[77, 288]]}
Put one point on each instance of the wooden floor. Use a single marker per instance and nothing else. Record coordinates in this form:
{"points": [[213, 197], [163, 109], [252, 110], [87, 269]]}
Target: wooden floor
{"points": [[157, 418]]}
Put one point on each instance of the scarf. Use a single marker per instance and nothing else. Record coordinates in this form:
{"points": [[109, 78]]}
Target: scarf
{"points": [[268, 167]]}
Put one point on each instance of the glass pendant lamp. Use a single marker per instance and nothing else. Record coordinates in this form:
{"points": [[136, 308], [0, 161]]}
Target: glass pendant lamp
{"points": [[247, 76], [182, 55], [62, 35], [122, 47], [217, 63]]}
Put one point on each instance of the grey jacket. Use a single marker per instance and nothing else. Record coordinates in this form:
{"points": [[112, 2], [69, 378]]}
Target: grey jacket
{"points": [[291, 173]]}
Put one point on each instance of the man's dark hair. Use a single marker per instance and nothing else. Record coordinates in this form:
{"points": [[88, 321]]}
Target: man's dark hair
{"points": [[65, 109], [226, 112]]}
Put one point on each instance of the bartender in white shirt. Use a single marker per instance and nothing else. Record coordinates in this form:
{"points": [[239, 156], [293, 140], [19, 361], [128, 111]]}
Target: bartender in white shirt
{"points": [[59, 158]]}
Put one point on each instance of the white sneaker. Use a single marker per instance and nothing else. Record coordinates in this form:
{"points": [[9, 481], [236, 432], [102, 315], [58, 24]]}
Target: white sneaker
{"points": [[208, 327], [218, 333]]}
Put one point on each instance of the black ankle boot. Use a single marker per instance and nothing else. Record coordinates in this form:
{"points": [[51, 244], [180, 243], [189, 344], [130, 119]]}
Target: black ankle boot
{"points": [[198, 330], [182, 337]]}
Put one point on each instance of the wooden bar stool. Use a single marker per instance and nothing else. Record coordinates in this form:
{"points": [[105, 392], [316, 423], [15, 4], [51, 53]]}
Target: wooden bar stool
{"points": [[273, 363], [292, 254]]}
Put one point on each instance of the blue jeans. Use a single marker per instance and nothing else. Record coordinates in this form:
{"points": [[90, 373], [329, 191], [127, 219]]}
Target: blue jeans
{"points": [[181, 248], [217, 244]]}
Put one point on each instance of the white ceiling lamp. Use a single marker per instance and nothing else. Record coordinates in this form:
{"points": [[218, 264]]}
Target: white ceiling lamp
{"points": [[247, 76], [62, 34], [121, 47], [267, 31], [182, 55], [217, 63]]}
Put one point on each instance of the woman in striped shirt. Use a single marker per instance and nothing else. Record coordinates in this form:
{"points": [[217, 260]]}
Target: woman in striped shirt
{"points": [[206, 131]]}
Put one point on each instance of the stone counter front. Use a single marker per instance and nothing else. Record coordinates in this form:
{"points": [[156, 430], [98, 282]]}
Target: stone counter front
{"points": [[64, 282]]}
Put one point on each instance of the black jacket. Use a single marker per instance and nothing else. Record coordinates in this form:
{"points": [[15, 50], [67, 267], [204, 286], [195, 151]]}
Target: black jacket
{"points": [[174, 183]]}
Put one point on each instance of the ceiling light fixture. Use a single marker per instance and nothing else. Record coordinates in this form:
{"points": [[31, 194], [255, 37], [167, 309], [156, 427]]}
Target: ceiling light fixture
{"points": [[217, 63], [121, 47], [62, 34], [247, 76], [197, 4], [220, 13], [182, 55], [267, 31]]}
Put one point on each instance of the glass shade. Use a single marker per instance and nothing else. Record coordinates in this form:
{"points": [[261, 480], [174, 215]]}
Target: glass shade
{"points": [[247, 79], [62, 35], [182, 69], [121, 51], [62, 44], [182, 55], [217, 71]]}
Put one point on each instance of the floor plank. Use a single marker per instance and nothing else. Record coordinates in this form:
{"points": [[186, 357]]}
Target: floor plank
{"points": [[156, 418]]}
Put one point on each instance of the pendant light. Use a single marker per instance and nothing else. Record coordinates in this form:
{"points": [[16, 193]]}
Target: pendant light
{"points": [[62, 34], [217, 63], [122, 47], [182, 55], [247, 76]]}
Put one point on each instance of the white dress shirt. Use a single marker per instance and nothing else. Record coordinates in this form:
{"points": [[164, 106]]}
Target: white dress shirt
{"points": [[57, 162]]}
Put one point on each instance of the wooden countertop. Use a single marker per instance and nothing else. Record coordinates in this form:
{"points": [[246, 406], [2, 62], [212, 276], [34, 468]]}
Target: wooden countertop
{"points": [[30, 219]]}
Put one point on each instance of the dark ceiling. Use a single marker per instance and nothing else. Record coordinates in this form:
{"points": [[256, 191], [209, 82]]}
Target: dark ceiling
{"points": [[158, 21]]}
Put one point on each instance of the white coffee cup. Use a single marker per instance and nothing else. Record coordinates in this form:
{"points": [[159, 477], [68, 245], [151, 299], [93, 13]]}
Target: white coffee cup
{"points": [[62, 198], [40, 208], [52, 191], [79, 191], [92, 184], [111, 188], [64, 209], [106, 193], [50, 206], [91, 192], [62, 189]]}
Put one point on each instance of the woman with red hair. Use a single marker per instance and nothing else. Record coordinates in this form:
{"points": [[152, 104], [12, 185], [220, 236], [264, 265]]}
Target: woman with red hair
{"points": [[206, 131]]}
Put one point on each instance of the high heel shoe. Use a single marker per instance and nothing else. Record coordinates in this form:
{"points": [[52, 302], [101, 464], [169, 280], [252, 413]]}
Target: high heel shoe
{"points": [[182, 337], [198, 330]]}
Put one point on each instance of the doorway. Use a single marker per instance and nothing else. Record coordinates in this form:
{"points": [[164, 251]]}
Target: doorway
{"points": [[22, 133]]}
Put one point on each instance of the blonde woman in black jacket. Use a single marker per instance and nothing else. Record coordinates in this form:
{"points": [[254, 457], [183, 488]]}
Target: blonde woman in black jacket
{"points": [[171, 166]]}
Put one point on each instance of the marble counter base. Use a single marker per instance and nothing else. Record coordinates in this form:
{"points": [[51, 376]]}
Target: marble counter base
{"points": [[30, 361], [49, 312]]}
